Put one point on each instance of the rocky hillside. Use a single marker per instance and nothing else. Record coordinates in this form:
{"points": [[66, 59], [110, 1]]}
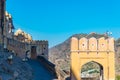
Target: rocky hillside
{"points": [[117, 56], [60, 54], [14, 68]]}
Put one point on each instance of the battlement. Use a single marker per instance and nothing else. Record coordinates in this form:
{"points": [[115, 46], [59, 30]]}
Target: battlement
{"points": [[92, 44], [39, 42]]}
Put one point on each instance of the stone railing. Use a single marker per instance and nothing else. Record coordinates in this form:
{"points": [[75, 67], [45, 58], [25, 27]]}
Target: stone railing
{"points": [[62, 74], [48, 65]]}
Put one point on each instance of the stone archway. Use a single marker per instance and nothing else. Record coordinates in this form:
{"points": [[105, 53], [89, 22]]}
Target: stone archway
{"points": [[90, 73], [99, 50]]}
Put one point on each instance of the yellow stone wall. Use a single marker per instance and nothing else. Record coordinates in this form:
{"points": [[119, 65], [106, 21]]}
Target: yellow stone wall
{"points": [[86, 50]]}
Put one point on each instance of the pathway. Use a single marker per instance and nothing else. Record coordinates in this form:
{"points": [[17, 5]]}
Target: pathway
{"points": [[40, 73]]}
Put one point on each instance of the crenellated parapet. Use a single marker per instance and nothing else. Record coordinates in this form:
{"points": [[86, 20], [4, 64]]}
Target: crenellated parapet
{"points": [[40, 42], [92, 44]]}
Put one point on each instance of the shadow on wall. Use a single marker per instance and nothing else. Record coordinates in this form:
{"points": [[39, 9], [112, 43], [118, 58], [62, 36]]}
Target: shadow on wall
{"points": [[68, 78], [49, 66]]}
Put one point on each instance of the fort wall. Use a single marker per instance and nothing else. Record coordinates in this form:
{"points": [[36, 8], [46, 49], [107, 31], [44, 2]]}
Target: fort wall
{"points": [[20, 48]]}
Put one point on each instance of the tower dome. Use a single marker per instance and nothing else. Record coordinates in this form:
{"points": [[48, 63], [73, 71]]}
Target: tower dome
{"points": [[19, 31], [29, 37], [6, 13]]}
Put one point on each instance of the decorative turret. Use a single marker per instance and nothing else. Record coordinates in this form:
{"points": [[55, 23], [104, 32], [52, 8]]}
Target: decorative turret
{"points": [[19, 31], [23, 36]]}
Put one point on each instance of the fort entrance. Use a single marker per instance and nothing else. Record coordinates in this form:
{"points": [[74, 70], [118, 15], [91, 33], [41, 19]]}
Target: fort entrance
{"points": [[98, 50], [92, 71], [33, 52]]}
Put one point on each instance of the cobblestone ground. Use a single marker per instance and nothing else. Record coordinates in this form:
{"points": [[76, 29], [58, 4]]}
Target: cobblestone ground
{"points": [[39, 72]]}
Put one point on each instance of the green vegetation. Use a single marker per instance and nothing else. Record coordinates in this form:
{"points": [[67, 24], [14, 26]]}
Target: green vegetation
{"points": [[93, 71], [117, 77], [90, 66], [118, 40]]}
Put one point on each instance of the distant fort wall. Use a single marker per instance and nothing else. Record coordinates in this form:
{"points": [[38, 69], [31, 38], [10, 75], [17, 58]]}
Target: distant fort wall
{"points": [[21, 48]]}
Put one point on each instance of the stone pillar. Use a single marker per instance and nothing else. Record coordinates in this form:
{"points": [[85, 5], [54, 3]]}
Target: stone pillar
{"points": [[2, 22]]}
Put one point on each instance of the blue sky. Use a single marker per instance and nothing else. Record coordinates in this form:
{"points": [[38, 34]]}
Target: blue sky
{"points": [[56, 20]]}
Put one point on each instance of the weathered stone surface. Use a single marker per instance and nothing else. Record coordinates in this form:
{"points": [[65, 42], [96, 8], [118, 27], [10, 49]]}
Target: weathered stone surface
{"points": [[18, 70]]}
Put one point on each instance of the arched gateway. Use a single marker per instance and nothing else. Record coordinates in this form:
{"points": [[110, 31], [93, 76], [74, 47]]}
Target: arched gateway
{"points": [[99, 50]]}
